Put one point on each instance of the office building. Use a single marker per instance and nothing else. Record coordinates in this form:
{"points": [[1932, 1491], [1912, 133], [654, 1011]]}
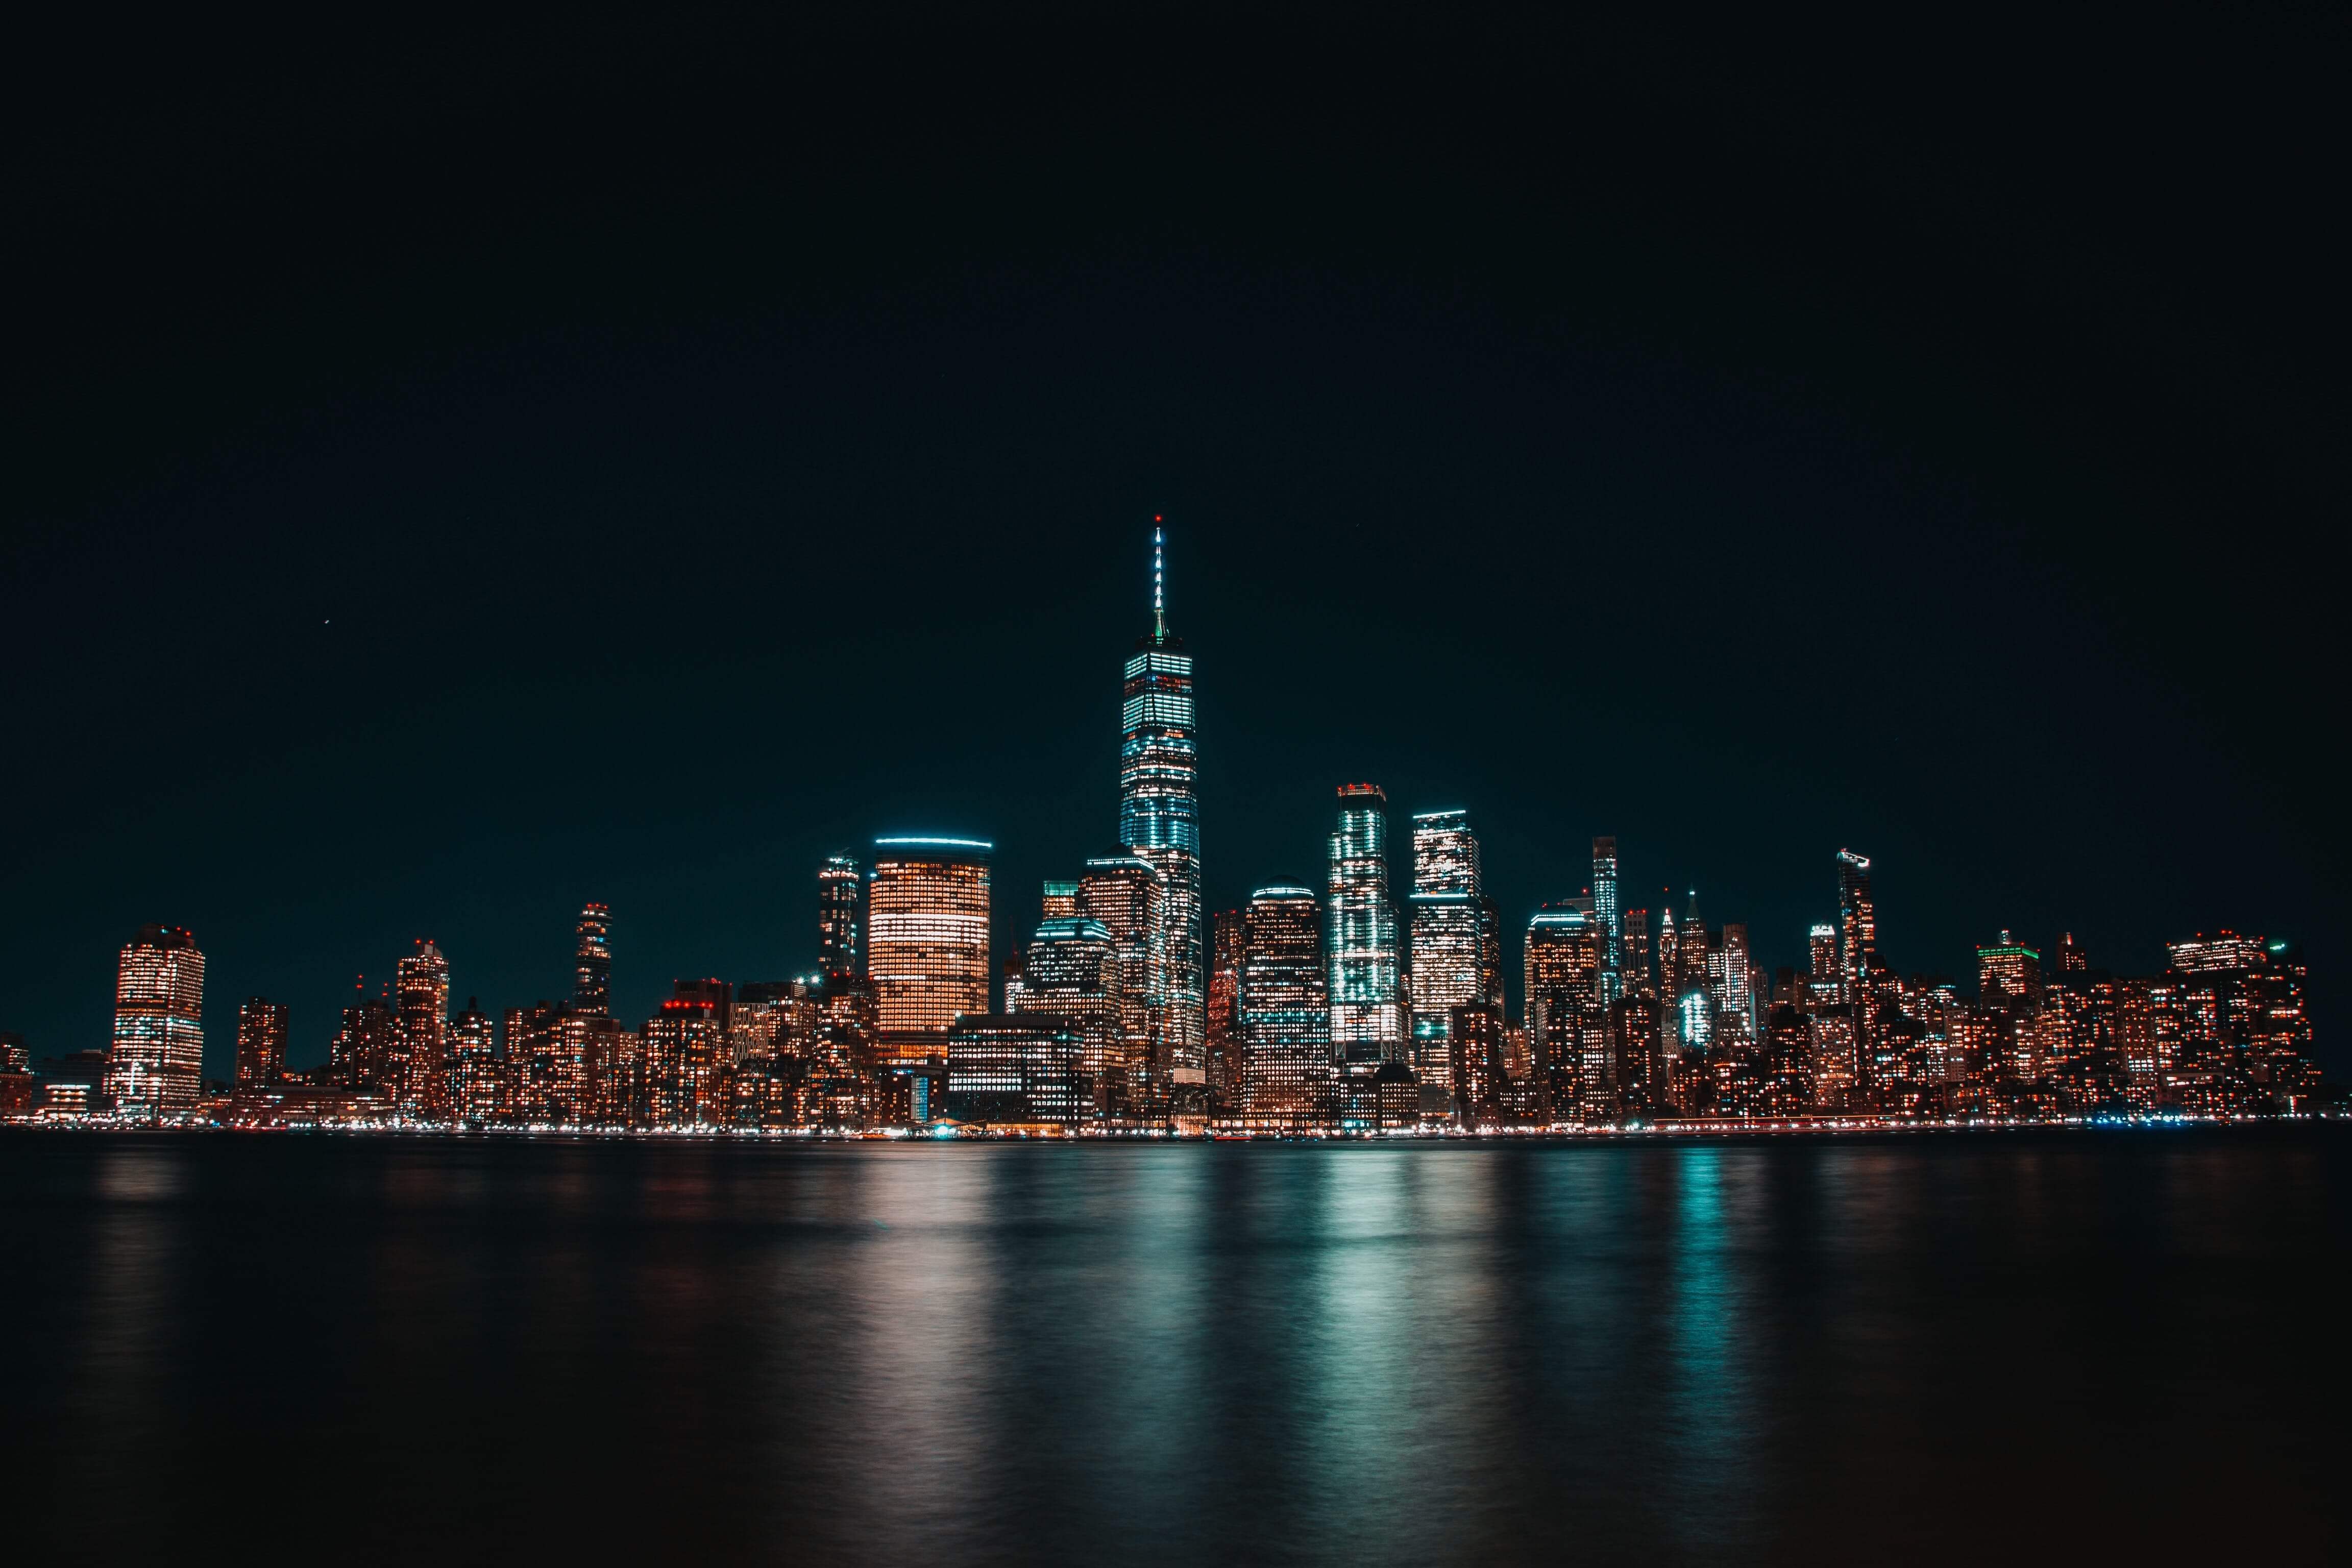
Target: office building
{"points": [[2008, 975], [1228, 940], [359, 1058], [1126, 895], [1073, 972], [1368, 1022], [1058, 901], [1605, 911], [1635, 974], [1017, 1069], [689, 1058], [155, 1064], [1284, 1005], [1159, 822], [1566, 1019], [1449, 941], [927, 942]]}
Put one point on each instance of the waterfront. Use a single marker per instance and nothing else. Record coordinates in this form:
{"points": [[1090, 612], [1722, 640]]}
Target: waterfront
{"points": [[1868, 1348]]}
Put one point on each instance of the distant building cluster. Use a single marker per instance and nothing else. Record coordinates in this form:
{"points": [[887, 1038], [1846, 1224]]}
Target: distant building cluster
{"points": [[1305, 1012]]}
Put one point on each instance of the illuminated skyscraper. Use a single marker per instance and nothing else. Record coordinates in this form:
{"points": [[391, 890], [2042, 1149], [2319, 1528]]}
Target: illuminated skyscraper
{"points": [[841, 916], [1604, 910], [2008, 975], [1633, 971], [260, 1042], [1733, 976], [1228, 940], [1160, 820], [592, 960], [1058, 901], [1367, 1010], [1448, 940], [1567, 1032], [927, 942], [1284, 1005], [477, 1076], [1857, 923], [1128, 895], [688, 1059], [420, 992], [360, 1056], [155, 1064], [1073, 972]]}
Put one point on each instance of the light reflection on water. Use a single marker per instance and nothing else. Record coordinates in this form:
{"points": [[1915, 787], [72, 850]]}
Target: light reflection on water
{"points": [[1361, 1354]]}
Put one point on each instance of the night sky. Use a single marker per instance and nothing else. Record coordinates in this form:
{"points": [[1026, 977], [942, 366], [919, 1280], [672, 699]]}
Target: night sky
{"points": [[453, 476]]}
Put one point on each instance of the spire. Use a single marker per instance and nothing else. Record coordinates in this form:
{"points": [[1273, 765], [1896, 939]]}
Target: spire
{"points": [[1159, 584]]}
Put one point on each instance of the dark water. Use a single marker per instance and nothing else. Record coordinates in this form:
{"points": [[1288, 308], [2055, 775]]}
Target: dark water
{"points": [[1926, 1348]]}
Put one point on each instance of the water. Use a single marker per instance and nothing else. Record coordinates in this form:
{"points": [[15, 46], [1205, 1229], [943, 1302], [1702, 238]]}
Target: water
{"points": [[1898, 1350]]}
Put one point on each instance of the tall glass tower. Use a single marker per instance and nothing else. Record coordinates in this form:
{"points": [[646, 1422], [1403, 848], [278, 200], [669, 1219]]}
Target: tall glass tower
{"points": [[1366, 1012], [1449, 946], [1159, 816], [1605, 911]]}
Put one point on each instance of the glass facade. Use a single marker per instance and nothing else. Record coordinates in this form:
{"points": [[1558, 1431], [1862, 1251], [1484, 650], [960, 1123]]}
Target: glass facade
{"points": [[1159, 819], [1449, 938], [1074, 972], [927, 942], [1016, 1070], [1368, 1026], [1604, 909], [1857, 922]]}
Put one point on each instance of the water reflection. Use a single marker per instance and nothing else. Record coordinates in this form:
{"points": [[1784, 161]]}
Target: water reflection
{"points": [[1364, 1355]]}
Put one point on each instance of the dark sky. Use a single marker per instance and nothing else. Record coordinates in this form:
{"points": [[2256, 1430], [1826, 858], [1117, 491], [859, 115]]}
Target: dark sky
{"points": [[453, 475]]}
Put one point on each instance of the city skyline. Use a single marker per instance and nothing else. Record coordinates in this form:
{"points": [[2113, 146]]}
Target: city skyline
{"points": [[911, 1013]]}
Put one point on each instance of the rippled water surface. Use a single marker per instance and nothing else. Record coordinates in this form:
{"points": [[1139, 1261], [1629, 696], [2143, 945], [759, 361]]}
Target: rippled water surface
{"points": [[1902, 1350]]}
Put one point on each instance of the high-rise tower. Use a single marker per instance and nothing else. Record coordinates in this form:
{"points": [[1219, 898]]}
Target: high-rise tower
{"points": [[1282, 1006], [1448, 938], [841, 916], [1604, 913], [420, 990], [1159, 816], [592, 962], [157, 1058], [1367, 1011], [1857, 921], [927, 953]]}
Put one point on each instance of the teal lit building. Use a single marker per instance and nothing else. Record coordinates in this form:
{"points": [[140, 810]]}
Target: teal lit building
{"points": [[1159, 823], [1368, 1021]]}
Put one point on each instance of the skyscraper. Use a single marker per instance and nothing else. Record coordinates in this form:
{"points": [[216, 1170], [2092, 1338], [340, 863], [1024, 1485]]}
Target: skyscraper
{"points": [[1448, 946], [1159, 819], [2008, 975], [420, 990], [260, 1042], [1016, 1070], [1284, 1005], [591, 961], [1073, 973], [1228, 940], [688, 1059], [1633, 955], [155, 1065], [477, 1076], [840, 916], [1857, 923], [927, 942], [1367, 1010], [1566, 1019], [1127, 894], [1605, 911]]}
